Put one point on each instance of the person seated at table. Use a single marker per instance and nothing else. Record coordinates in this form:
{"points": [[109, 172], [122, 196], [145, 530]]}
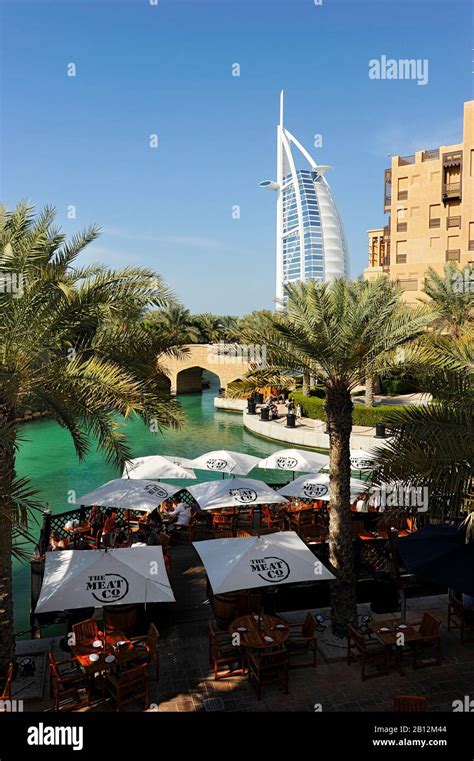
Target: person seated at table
{"points": [[151, 536], [56, 542], [179, 517], [96, 520], [120, 538], [82, 544], [362, 504], [110, 525], [156, 521]]}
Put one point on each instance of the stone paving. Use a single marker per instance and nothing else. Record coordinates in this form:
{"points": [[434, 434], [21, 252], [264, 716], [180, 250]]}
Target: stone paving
{"points": [[186, 678]]}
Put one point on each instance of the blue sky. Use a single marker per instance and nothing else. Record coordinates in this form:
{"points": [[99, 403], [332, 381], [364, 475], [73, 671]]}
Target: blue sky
{"points": [[167, 69]]}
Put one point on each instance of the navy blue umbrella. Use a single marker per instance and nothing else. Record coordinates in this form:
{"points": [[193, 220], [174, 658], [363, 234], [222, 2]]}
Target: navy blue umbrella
{"points": [[440, 553]]}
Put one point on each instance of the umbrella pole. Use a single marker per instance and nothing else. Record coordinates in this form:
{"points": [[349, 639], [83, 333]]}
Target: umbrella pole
{"points": [[293, 474]]}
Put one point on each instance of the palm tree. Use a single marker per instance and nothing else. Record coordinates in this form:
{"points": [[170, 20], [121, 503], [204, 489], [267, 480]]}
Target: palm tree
{"points": [[209, 326], [175, 321], [341, 332], [450, 301], [431, 444], [65, 344]]}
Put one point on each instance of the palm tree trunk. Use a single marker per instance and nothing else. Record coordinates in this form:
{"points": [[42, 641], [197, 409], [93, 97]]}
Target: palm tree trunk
{"points": [[369, 390], [7, 464], [341, 555], [306, 382]]}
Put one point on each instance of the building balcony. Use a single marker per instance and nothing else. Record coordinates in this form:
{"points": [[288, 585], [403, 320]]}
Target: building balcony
{"points": [[471, 245], [435, 222], [453, 254], [451, 190], [453, 221], [402, 227], [405, 160], [402, 195], [430, 155], [386, 232]]}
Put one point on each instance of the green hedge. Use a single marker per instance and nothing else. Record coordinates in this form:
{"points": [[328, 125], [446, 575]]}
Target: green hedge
{"points": [[361, 415], [395, 386]]}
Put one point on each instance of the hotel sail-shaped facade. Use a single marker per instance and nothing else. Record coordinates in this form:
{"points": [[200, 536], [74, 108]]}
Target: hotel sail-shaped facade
{"points": [[310, 241]]}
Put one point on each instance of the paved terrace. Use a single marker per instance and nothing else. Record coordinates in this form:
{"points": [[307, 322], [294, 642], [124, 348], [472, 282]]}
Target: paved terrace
{"points": [[186, 680]]}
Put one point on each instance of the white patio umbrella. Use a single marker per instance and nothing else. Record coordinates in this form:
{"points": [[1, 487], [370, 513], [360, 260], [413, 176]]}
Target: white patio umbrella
{"points": [[224, 461], [317, 487], [295, 460], [361, 459], [181, 462], [264, 561], [94, 578], [235, 492], [133, 494], [155, 466]]}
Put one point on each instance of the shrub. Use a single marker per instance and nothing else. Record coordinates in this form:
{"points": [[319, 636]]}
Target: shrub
{"points": [[313, 407], [395, 386]]}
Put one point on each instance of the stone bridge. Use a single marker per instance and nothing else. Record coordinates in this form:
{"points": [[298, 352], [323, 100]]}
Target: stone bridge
{"points": [[226, 361]]}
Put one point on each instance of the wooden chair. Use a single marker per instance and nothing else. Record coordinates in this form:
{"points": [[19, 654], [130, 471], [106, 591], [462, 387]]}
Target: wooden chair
{"points": [[249, 602], [268, 667], [367, 652], [224, 522], [6, 684], [85, 631], [302, 640], [120, 617], [244, 519], [429, 638], [148, 649], [226, 658], [301, 519], [127, 686], [270, 519], [410, 703], [67, 680], [459, 618]]}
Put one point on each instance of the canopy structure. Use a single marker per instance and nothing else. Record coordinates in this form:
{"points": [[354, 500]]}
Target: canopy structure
{"points": [[224, 461], [80, 579], [317, 487], [181, 462], [264, 561], [295, 460], [236, 492], [155, 466], [361, 459], [441, 554], [132, 494]]}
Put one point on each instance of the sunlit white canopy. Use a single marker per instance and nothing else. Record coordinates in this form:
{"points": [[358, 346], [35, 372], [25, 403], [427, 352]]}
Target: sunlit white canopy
{"points": [[234, 492], [133, 494], [295, 460], [155, 466], [362, 459], [80, 579], [270, 560], [224, 461], [181, 462], [317, 487]]}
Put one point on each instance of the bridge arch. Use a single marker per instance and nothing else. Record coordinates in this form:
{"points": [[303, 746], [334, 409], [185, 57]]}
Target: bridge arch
{"points": [[185, 374]]}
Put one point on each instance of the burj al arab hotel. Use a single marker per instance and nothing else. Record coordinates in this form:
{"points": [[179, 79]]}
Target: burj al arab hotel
{"points": [[310, 241]]}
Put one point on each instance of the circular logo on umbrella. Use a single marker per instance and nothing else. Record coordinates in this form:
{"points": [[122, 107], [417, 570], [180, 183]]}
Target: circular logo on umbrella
{"points": [[155, 491], [287, 463], [214, 464], [315, 490], [244, 496], [270, 569], [360, 464], [107, 587]]}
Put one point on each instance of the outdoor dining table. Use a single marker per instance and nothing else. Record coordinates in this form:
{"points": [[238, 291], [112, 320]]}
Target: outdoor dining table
{"points": [[104, 662], [260, 631], [387, 633]]}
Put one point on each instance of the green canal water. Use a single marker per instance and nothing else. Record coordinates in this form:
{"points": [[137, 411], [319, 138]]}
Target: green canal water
{"points": [[47, 457]]}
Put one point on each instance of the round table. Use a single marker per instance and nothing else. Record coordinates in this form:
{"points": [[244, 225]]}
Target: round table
{"points": [[256, 631]]}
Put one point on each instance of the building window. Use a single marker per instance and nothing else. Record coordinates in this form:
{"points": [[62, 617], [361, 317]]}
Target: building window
{"points": [[401, 252], [471, 236], [434, 218], [402, 188], [402, 220], [408, 285]]}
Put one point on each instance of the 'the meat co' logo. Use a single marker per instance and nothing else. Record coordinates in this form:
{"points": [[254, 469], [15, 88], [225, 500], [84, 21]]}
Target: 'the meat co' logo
{"points": [[155, 491], [270, 569], [315, 490], [109, 587], [214, 464], [287, 463], [360, 464], [244, 496]]}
